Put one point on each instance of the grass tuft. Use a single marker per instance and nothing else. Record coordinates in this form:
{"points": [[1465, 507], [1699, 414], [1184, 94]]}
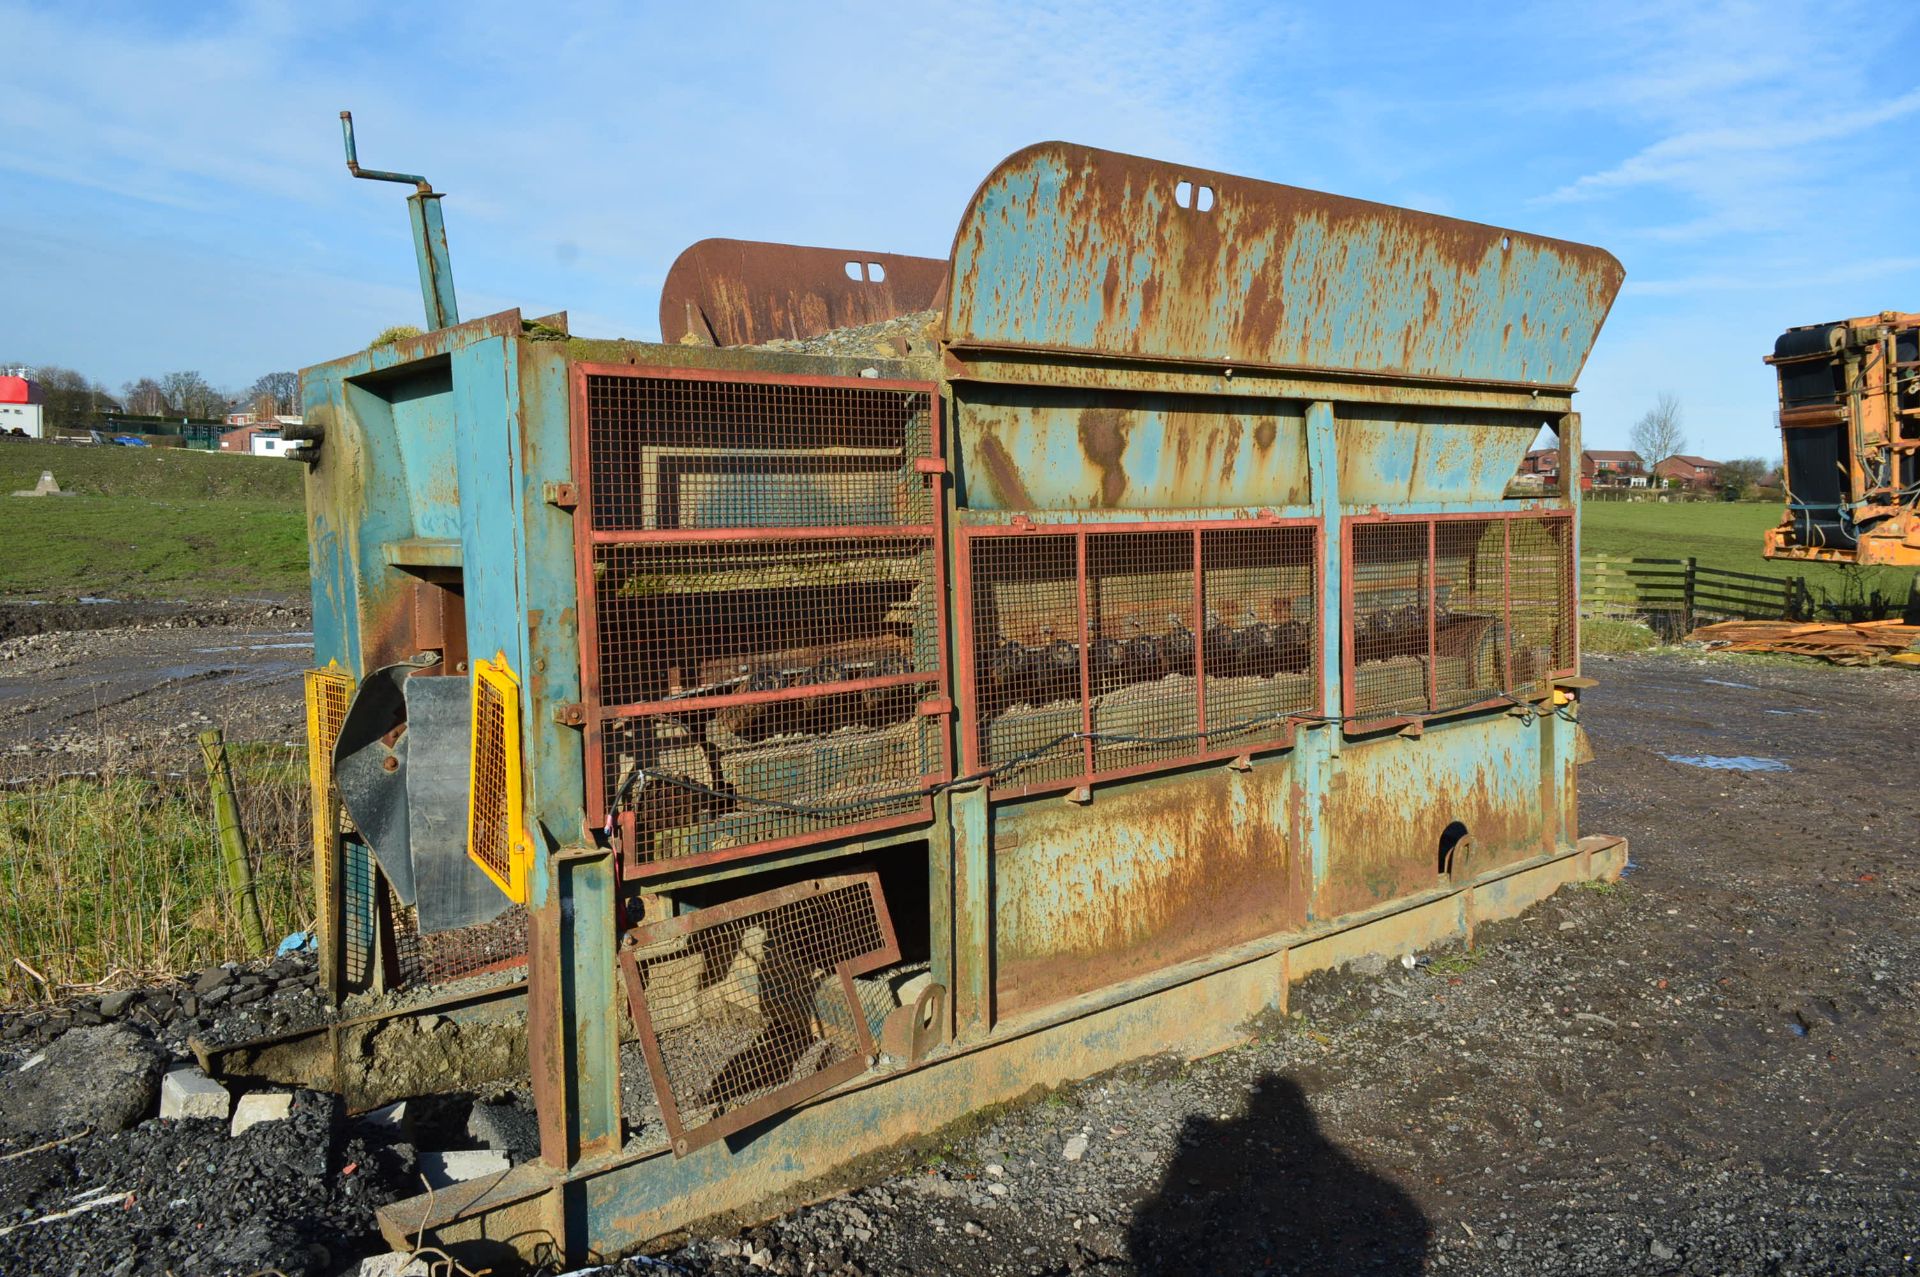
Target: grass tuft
{"points": [[1600, 635], [1451, 964]]}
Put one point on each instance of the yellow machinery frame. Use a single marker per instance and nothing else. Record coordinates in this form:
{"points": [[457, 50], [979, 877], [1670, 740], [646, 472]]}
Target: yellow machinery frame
{"points": [[497, 838]]}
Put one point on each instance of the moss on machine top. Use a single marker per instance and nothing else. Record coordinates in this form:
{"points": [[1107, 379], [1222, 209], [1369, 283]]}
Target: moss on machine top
{"points": [[902, 347]]}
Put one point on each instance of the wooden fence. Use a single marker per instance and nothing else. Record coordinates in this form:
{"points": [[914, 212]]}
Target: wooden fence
{"points": [[1679, 592]]}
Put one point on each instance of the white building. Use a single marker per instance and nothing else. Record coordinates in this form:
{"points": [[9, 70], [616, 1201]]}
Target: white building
{"points": [[20, 408], [260, 439]]}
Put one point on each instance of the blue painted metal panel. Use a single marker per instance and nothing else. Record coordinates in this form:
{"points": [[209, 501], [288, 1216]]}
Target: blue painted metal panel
{"points": [[1393, 456], [1038, 448], [1398, 796], [1069, 248], [1146, 876]]}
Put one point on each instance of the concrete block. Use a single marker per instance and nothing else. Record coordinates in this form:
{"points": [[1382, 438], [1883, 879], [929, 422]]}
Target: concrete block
{"points": [[261, 1106], [456, 1166], [187, 1092], [390, 1121]]}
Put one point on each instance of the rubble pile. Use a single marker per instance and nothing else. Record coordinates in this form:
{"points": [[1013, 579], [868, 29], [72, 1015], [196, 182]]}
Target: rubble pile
{"points": [[252, 1001], [118, 1155]]}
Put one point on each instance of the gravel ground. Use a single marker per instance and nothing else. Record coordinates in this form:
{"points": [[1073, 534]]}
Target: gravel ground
{"points": [[1707, 1069]]}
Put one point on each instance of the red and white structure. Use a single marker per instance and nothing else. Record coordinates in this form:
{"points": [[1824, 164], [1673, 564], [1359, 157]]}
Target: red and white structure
{"points": [[20, 409]]}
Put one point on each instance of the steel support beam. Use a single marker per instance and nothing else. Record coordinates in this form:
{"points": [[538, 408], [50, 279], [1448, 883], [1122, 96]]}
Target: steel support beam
{"points": [[573, 1009]]}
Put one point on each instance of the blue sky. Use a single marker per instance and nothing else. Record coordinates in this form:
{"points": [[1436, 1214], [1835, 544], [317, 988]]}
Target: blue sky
{"points": [[172, 194]]}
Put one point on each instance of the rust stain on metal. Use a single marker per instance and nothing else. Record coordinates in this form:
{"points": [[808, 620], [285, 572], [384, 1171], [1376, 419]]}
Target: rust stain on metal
{"points": [[1390, 843], [1004, 473], [1103, 438], [1166, 874], [729, 292]]}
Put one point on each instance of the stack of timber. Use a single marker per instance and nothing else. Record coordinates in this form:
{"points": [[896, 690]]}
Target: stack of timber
{"points": [[1858, 643]]}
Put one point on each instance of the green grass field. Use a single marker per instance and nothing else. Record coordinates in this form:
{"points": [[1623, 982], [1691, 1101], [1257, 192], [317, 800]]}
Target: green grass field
{"points": [[1717, 534], [151, 523]]}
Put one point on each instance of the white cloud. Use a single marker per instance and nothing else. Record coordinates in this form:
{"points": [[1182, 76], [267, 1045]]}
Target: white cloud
{"points": [[1705, 156]]}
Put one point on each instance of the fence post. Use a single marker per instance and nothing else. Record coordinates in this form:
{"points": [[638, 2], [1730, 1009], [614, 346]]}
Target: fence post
{"points": [[1686, 597], [233, 842]]}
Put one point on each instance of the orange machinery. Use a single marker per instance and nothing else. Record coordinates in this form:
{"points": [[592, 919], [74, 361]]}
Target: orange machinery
{"points": [[1850, 436]]}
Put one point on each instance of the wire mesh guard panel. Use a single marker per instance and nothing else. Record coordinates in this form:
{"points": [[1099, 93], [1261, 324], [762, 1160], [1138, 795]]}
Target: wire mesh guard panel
{"points": [[773, 627], [359, 923], [1387, 618], [767, 587], [328, 692], [437, 957], [1028, 689], [1469, 604], [1261, 587], [490, 826], [749, 1007], [1444, 614], [1541, 601], [1197, 640], [670, 453]]}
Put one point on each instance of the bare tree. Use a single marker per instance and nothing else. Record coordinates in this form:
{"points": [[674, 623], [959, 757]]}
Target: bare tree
{"points": [[146, 398], [1658, 435], [190, 395], [274, 394]]}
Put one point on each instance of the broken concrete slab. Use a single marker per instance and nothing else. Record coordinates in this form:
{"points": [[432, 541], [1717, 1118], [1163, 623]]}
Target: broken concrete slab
{"points": [[395, 1263], [390, 1120], [261, 1106], [456, 1166], [187, 1092], [100, 1076]]}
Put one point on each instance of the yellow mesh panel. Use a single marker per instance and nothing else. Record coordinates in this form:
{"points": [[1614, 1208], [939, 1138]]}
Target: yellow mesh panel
{"points": [[328, 692], [496, 838]]}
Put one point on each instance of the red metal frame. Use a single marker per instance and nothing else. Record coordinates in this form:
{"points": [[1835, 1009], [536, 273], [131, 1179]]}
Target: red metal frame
{"points": [[1505, 517], [968, 675], [685, 1139], [932, 467]]}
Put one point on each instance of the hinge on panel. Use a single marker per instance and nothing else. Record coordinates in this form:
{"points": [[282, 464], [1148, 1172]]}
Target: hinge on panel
{"points": [[1080, 797], [938, 705], [564, 495], [570, 714], [1242, 763], [930, 465]]}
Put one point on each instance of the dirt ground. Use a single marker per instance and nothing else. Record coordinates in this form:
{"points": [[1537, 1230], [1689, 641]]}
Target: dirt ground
{"points": [[1710, 1068]]}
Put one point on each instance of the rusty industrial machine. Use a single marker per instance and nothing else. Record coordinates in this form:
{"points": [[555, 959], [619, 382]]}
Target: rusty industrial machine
{"points": [[912, 681], [1850, 439]]}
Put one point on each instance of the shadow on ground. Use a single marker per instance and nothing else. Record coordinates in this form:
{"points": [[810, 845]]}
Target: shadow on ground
{"points": [[1268, 1192]]}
